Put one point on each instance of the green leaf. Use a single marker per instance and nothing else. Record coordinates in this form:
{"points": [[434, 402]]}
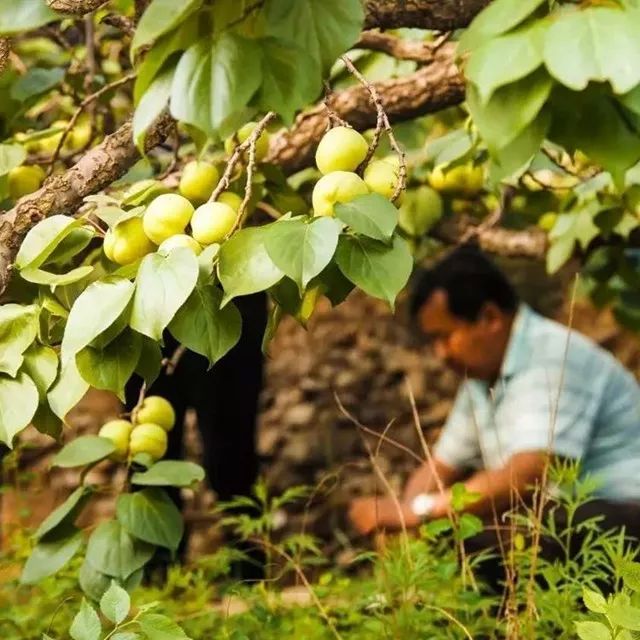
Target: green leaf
{"points": [[302, 250], [291, 78], [65, 513], [151, 105], [150, 361], [523, 48], [86, 625], [150, 515], [160, 627], [42, 239], [39, 276], [154, 60], [579, 49], [22, 15], [174, 473], [18, 330], [324, 28], [469, 526], [71, 245], [111, 367], [94, 311], [112, 551], [11, 156], [82, 451], [594, 601], [499, 17], [94, 583], [203, 327], [631, 100], [452, 146], [372, 215], [335, 286], [163, 285], [18, 404], [67, 390], [379, 270], [161, 17], [590, 630], [214, 81], [558, 253], [631, 575], [51, 554], [510, 109], [115, 604], [624, 615], [36, 82], [244, 266], [126, 635]]}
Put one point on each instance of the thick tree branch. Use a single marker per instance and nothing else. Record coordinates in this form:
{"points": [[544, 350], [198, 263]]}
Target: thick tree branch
{"points": [[439, 15], [432, 88], [76, 7], [64, 193], [4, 53], [397, 47]]}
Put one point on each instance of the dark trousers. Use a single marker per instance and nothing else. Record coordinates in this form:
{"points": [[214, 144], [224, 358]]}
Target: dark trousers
{"points": [[611, 515], [225, 399]]}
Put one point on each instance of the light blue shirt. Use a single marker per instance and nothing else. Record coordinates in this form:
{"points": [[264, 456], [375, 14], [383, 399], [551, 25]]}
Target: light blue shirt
{"points": [[558, 391]]}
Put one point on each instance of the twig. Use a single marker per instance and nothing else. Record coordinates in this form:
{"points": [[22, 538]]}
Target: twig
{"points": [[250, 144], [5, 48], [172, 363], [87, 101], [90, 42], [334, 119], [176, 151], [120, 22], [382, 122], [269, 210]]}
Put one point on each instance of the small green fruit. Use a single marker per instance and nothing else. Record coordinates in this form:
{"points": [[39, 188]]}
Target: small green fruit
{"points": [[381, 177], [230, 198], [198, 181], [24, 180], [212, 222], [148, 438], [166, 216], [158, 410], [336, 187], [177, 242], [127, 242], [547, 220], [262, 144], [118, 431], [341, 149]]}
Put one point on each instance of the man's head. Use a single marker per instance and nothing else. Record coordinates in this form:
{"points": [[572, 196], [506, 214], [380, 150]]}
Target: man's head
{"points": [[466, 306]]}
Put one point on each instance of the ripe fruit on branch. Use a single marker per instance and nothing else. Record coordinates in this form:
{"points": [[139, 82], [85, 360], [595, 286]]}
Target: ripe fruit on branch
{"points": [[24, 180], [166, 216], [178, 241], [335, 187], [230, 198], [211, 222], [157, 410], [127, 242], [547, 220], [118, 431], [341, 149], [262, 143], [148, 438], [465, 179], [381, 176], [421, 209], [198, 181]]}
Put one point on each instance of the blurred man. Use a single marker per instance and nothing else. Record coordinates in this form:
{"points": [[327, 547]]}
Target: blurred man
{"points": [[532, 388]]}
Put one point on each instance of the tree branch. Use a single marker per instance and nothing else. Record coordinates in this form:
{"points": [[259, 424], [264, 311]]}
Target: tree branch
{"points": [[398, 48], [5, 47], [431, 88], [439, 15], [76, 7], [64, 193]]}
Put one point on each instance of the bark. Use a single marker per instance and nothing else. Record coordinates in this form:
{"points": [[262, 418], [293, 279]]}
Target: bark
{"points": [[432, 88], [76, 7], [439, 15], [403, 49], [529, 243], [64, 193], [4, 53]]}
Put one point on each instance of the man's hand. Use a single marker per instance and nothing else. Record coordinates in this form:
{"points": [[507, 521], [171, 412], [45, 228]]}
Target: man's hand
{"points": [[373, 512]]}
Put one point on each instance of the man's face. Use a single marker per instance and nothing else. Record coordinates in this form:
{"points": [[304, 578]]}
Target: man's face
{"points": [[471, 348]]}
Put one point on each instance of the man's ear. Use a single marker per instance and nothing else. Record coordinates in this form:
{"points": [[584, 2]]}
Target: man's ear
{"points": [[492, 316]]}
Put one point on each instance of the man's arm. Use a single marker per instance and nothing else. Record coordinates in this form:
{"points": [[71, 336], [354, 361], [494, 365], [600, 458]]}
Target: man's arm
{"points": [[496, 487], [429, 477]]}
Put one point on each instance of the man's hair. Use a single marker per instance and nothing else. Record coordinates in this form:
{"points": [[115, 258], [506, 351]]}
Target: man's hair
{"points": [[469, 279]]}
